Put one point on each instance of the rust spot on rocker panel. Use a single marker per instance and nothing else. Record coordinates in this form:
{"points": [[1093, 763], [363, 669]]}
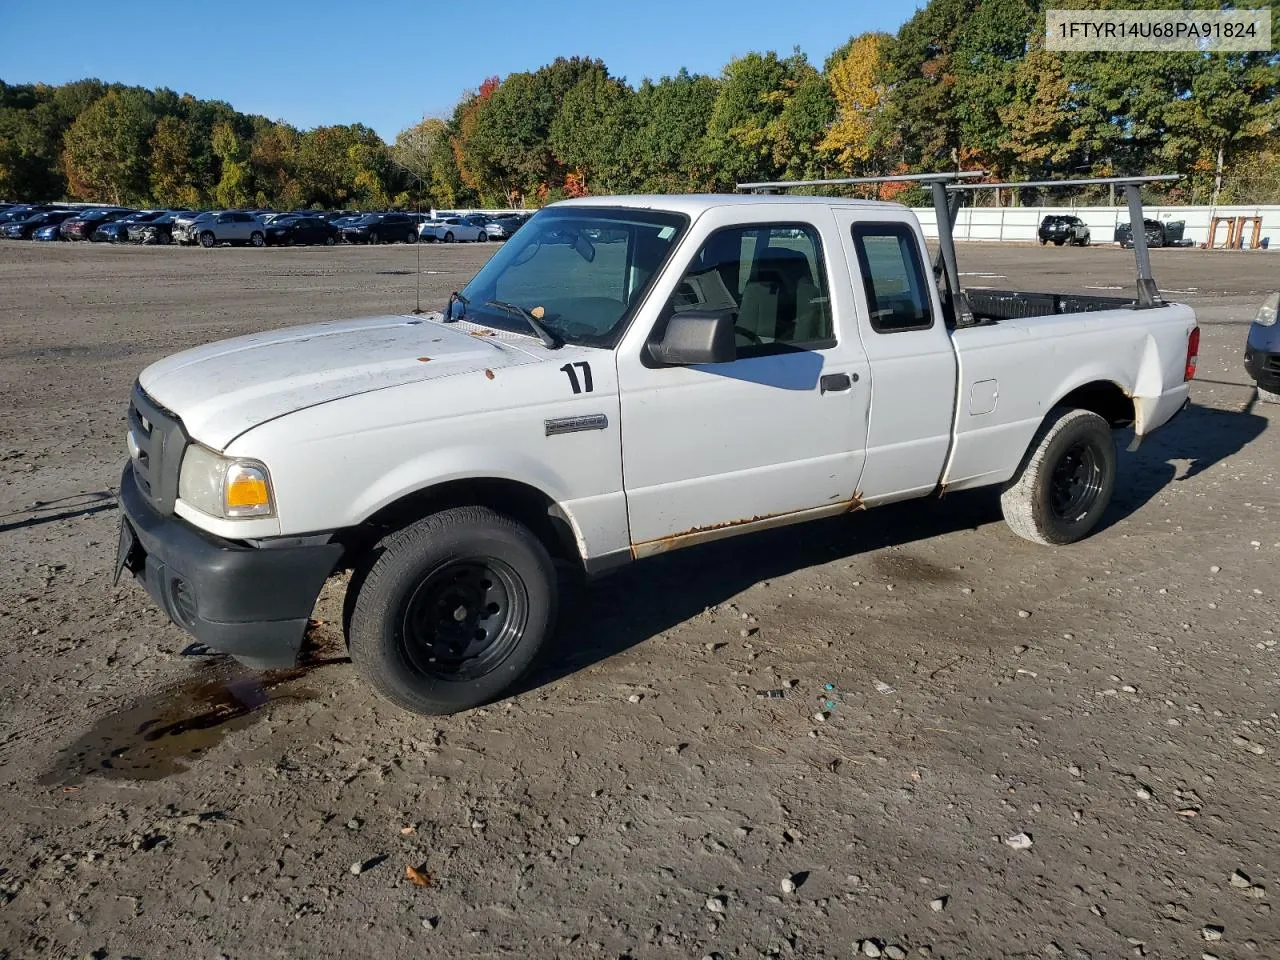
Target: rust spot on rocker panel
{"points": [[488, 373], [483, 333], [694, 535]]}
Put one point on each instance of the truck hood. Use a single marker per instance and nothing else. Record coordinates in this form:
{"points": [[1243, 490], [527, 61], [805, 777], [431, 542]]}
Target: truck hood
{"points": [[222, 389]]}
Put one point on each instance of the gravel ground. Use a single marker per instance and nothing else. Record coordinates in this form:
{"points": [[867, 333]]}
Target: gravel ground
{"points": [[971, 746]]}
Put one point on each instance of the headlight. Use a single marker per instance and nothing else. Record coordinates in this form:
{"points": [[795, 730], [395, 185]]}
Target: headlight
{"points": [[1267, 312], [224, 486]]}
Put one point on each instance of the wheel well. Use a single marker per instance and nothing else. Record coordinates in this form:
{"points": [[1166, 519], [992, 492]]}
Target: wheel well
{"points": [[519, 501], [1106, 399]]}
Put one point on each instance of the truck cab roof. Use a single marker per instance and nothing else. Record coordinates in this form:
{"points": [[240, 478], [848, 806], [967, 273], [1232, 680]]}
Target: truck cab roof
{"points": [[696, 203]]}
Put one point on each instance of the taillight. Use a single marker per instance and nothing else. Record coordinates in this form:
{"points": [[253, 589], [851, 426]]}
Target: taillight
{"points": [[1193, 353]]}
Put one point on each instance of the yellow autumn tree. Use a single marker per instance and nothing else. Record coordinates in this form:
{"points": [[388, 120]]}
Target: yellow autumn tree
{"points": [[857, 84]]}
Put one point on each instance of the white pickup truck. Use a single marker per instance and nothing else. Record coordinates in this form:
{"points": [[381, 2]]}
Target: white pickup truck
{"points": [[626, 376]]}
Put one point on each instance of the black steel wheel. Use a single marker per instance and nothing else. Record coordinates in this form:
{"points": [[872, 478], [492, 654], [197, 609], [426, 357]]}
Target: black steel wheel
{"points": [[451, 611], [1065, 483], [1076, 481], [465, 618]]}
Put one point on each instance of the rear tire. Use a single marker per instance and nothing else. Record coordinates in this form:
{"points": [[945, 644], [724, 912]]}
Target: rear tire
{"points": [[257, 239], [1065, 483], [412, 237], [448, 236], [452, 610]]}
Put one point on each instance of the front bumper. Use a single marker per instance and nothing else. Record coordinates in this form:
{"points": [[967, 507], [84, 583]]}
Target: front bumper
{"points": [[1264, 368], [251, 602]]}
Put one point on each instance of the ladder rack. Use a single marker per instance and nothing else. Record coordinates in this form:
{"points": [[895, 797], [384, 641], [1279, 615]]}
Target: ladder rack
{"points": [[946, 209]]}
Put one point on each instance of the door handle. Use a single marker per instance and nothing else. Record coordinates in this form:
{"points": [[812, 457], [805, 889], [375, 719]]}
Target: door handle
{"points": [[834, 383]]}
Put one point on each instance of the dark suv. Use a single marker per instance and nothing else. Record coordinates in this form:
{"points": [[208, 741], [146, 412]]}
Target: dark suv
{"points": [[382, 228], [1062, 228], [1160, 233]]}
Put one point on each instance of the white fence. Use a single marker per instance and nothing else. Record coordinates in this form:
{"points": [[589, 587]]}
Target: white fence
{"points": [[1021, 223]]}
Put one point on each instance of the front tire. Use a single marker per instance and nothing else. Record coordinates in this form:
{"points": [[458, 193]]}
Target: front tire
{"points": [[208, 240], [1268, 396], [453, 611], [1066, 481]]}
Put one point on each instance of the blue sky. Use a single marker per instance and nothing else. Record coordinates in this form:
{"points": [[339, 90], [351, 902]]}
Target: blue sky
{"points": [[388, 64]]}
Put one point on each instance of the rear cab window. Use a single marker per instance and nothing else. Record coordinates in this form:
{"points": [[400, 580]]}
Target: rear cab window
{"points": [[893, 277]]}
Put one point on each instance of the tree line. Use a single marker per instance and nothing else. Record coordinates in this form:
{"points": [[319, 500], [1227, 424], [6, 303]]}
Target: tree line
{"points": [[962, 84]]}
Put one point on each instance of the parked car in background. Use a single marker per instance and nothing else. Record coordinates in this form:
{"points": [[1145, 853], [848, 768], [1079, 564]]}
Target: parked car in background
{"points": [[24, 229], [451, 229], [48, 232], [117, 231], [158, 230], [1262, 350], [230, 226], [1160, 233], [291, 231], [186, 229], [81, 226], [21, 211], [1064, 228], [502, 227], [381, 228]]}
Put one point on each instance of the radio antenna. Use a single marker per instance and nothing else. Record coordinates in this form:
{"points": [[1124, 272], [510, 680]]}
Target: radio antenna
{"points": [[417, 230], [417, 288]]}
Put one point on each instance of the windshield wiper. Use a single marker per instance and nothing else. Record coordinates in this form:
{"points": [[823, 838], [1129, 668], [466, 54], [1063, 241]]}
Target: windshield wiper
{"points": [[546, 336]]}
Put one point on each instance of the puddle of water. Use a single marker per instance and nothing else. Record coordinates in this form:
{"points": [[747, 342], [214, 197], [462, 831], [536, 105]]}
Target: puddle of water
{"points": [[163, 733]]}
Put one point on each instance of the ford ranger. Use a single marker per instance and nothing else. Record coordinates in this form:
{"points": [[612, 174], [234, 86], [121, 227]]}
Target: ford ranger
{"points": [[625, 377]]}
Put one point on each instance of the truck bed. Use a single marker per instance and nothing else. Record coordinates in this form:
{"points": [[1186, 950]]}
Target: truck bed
{"points": [[992, 306]]}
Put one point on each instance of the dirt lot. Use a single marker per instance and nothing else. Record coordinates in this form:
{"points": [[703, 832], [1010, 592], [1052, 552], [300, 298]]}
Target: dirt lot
{"points": [[1115, 701]]}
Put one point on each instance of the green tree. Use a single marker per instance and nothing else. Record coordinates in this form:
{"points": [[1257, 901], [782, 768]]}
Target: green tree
{"points": [[505, 143], [747, 133], [665, 132], [235, 186], [273, 158], [586, 133], [105, 149], [173, 182]]}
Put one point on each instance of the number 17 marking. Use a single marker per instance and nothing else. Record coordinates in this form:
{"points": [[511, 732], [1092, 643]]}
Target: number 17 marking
{"points": [[586, 385]]}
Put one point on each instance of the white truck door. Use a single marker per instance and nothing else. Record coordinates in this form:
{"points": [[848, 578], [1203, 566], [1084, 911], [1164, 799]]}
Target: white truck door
{"points": [[778, 433], [912, 357]]}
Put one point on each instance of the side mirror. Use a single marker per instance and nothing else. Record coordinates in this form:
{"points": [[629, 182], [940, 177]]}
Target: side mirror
{"points": [[697, 337]]}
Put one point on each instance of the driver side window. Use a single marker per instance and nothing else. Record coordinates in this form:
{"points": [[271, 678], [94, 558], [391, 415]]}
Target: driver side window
{"points": [[773, 277]]}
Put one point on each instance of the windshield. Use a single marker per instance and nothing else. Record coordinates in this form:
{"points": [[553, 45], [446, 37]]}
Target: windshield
{"points": [[580, 270]]}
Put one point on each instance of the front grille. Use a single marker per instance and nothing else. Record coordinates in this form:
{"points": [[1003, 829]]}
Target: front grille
{"points": [[160, 440]]}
